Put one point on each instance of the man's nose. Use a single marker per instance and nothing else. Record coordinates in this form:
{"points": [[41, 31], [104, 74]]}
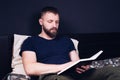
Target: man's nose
{"points": [[55, 24]]}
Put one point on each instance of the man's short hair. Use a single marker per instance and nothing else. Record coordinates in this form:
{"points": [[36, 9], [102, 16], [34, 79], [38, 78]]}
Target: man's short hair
{"points": [[49, 9]]}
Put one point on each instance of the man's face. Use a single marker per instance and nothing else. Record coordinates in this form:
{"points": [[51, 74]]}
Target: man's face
{"points": [[50, 23]]}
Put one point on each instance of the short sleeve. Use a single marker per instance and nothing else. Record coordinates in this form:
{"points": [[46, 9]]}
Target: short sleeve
{"points": [[27, 45], [71, 45]]}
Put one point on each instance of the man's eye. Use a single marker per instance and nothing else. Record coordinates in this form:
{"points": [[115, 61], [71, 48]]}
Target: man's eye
{"points": [[57, 22], [50, 21]]}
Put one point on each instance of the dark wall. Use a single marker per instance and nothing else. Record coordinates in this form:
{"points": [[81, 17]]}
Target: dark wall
{"points": [[77, 16]]}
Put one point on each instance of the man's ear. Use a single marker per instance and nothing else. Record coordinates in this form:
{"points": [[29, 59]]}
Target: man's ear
{"points": [[40, 21]]}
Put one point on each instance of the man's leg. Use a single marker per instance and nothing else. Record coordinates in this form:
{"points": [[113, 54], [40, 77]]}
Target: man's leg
{"points": [[105, 73], [56, 77]]}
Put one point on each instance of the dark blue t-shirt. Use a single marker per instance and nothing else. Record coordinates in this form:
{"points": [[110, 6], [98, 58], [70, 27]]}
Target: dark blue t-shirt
{"points": [[55, 51]]}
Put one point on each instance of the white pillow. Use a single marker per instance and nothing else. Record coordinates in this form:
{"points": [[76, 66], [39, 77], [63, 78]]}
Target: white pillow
{"points": [[75, 42], [16, 58]]}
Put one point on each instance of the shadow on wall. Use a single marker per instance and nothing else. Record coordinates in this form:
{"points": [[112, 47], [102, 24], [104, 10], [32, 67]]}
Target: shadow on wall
{"points": [[35, 27], [64, 27]]}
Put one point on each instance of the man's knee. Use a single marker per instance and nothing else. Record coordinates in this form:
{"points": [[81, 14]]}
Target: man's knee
{"points": [[56, 77]]}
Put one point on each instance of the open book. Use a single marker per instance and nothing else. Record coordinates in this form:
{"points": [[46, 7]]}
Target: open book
{"points": [[81, 61]]}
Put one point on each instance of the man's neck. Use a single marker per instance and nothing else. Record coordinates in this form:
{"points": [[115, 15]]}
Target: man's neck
{"points": [[45, 36]]}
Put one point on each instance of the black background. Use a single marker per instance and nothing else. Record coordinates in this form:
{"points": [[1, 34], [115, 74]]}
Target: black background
{"points": [[77, 16]]}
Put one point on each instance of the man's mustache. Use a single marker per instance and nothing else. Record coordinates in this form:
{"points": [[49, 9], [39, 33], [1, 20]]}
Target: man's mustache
{"points": [[54, 28]]}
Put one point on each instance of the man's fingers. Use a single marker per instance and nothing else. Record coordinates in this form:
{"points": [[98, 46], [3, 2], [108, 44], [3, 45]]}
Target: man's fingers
{"points": [[85, 67], [82, 69]]}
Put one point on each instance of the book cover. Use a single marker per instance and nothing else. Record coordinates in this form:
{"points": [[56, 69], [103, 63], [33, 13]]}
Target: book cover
{"points": [[81, 62]]}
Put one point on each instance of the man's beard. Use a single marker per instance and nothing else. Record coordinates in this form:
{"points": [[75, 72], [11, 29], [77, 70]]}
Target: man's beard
{"points": [[51, 33]]}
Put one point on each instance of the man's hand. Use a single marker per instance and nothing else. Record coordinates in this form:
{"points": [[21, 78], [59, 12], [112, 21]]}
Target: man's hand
{"points": [[82, 69]]}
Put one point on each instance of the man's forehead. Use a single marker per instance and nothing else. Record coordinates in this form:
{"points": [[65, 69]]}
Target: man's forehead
{"points": [[50, 15]]}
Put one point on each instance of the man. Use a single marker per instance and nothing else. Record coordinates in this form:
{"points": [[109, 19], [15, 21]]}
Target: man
{"points": [[46, 54]]}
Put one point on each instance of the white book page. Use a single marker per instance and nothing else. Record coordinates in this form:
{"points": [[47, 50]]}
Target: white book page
{"points": [[81, 60]]}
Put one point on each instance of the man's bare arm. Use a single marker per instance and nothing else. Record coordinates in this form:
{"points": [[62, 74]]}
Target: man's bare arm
{"points": [[74, 57], [32, 67]]}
